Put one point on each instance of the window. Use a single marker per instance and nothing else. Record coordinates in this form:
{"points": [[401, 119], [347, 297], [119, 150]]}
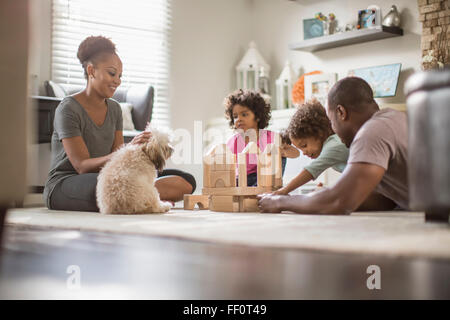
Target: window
{"points": [[139, 28]]}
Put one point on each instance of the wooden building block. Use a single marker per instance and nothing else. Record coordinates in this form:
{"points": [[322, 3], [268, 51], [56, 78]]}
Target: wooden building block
{"points": [[207, 176], [224, 203], [237, 191], [266, 180], [208, 164], [233, 203], [278, 166], [276, 151], [264, 171], [249, 204], [223, 162], [209, 155], [251, 148], [278, 183], [242, 169], [223, 179], [222, 148], [265, 164], [190, 200], [224, 159]]}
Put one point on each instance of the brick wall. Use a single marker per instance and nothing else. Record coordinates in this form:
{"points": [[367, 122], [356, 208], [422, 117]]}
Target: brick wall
{"points": [[435, 18]]}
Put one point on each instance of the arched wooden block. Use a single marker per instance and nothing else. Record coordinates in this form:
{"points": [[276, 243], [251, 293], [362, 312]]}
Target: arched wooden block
{"points": [[190, 200]]}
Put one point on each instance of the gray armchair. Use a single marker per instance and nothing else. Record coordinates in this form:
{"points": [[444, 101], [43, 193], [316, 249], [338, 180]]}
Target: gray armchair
{"points": [[141, 97], [428, 96]]}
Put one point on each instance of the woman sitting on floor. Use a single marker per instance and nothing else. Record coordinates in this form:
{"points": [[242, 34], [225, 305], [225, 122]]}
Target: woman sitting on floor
{"points": [[88, 129]]}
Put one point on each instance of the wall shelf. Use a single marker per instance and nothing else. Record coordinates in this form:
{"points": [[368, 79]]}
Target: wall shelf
{"points": [[346, 38]]}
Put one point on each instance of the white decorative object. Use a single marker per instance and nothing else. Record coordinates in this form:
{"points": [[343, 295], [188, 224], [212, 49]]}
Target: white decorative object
{"points": [[249, 67], [126, 115], [284, 85], [318, 85]]}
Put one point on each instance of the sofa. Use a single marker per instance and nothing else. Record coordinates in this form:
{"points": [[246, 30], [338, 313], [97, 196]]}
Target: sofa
{"points": [[141, 97]]}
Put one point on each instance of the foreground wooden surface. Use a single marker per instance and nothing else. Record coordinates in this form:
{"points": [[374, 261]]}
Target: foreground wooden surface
{"points": [[40, 264]]}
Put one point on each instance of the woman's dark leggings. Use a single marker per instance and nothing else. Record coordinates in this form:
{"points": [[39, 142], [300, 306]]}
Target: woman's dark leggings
{"points": [[77, 193]]}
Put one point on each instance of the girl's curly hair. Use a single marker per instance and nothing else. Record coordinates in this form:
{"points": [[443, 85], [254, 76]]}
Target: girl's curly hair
{"points": [[310, 120], [91, 48], [252, 100]]}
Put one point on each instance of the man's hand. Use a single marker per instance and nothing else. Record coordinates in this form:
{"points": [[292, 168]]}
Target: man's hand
{"points": [[354, 186], [270, 203]]}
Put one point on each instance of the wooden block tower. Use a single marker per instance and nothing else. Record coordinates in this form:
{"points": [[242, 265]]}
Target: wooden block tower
{"points": [[220, 167]]}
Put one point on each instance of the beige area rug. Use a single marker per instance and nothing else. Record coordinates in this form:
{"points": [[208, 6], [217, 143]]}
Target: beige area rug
{"points": [[399, 234]]}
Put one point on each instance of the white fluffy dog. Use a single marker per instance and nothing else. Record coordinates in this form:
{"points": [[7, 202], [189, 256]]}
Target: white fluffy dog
{"points": [[126, 184]]}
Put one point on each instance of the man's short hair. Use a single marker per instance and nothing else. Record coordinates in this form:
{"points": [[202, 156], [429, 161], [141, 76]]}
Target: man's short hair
{"points": [[353, 93]]}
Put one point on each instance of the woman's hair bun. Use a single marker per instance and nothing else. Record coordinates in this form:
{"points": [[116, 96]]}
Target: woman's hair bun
{"points": [[93, 45]]}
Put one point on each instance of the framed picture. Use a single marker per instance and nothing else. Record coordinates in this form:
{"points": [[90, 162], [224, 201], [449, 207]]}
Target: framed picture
{"points": [[369, 18], [382, 79], [318, 85], [312, 28]]}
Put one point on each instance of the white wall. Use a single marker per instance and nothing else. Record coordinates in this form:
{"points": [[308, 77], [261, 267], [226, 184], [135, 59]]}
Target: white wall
{"points": [[209, 38], [40, 41]]}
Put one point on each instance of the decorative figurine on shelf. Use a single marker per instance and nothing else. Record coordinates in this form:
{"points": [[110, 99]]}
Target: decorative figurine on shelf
{"points": [[392, 19], [329, 23], [332, 23], [284, 85], [319, 16], [248, 69], [349, 27]]}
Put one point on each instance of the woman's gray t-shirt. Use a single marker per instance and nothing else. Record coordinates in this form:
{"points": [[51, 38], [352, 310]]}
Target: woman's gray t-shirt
{"points": [[72, 120]]}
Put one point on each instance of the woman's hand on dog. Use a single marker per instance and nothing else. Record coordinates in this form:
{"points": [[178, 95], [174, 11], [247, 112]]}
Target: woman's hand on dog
{"points": [[141, 138]]}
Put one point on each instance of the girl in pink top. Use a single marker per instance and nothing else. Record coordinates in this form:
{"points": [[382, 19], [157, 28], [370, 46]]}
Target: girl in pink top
{"points": [[249, 114]]}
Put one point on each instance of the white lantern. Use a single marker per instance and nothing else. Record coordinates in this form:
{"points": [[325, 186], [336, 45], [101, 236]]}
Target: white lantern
{"points": [[284, 85], [249, 68]]}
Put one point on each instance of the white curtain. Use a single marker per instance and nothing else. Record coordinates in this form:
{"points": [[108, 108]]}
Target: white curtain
{"points": [[139, 28]]}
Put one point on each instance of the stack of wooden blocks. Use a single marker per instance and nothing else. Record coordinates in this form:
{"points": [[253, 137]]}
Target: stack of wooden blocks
{"points": [[221, 191]]}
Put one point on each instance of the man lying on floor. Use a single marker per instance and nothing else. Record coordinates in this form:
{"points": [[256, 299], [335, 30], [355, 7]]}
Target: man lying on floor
{"points": [[376, 174]]}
